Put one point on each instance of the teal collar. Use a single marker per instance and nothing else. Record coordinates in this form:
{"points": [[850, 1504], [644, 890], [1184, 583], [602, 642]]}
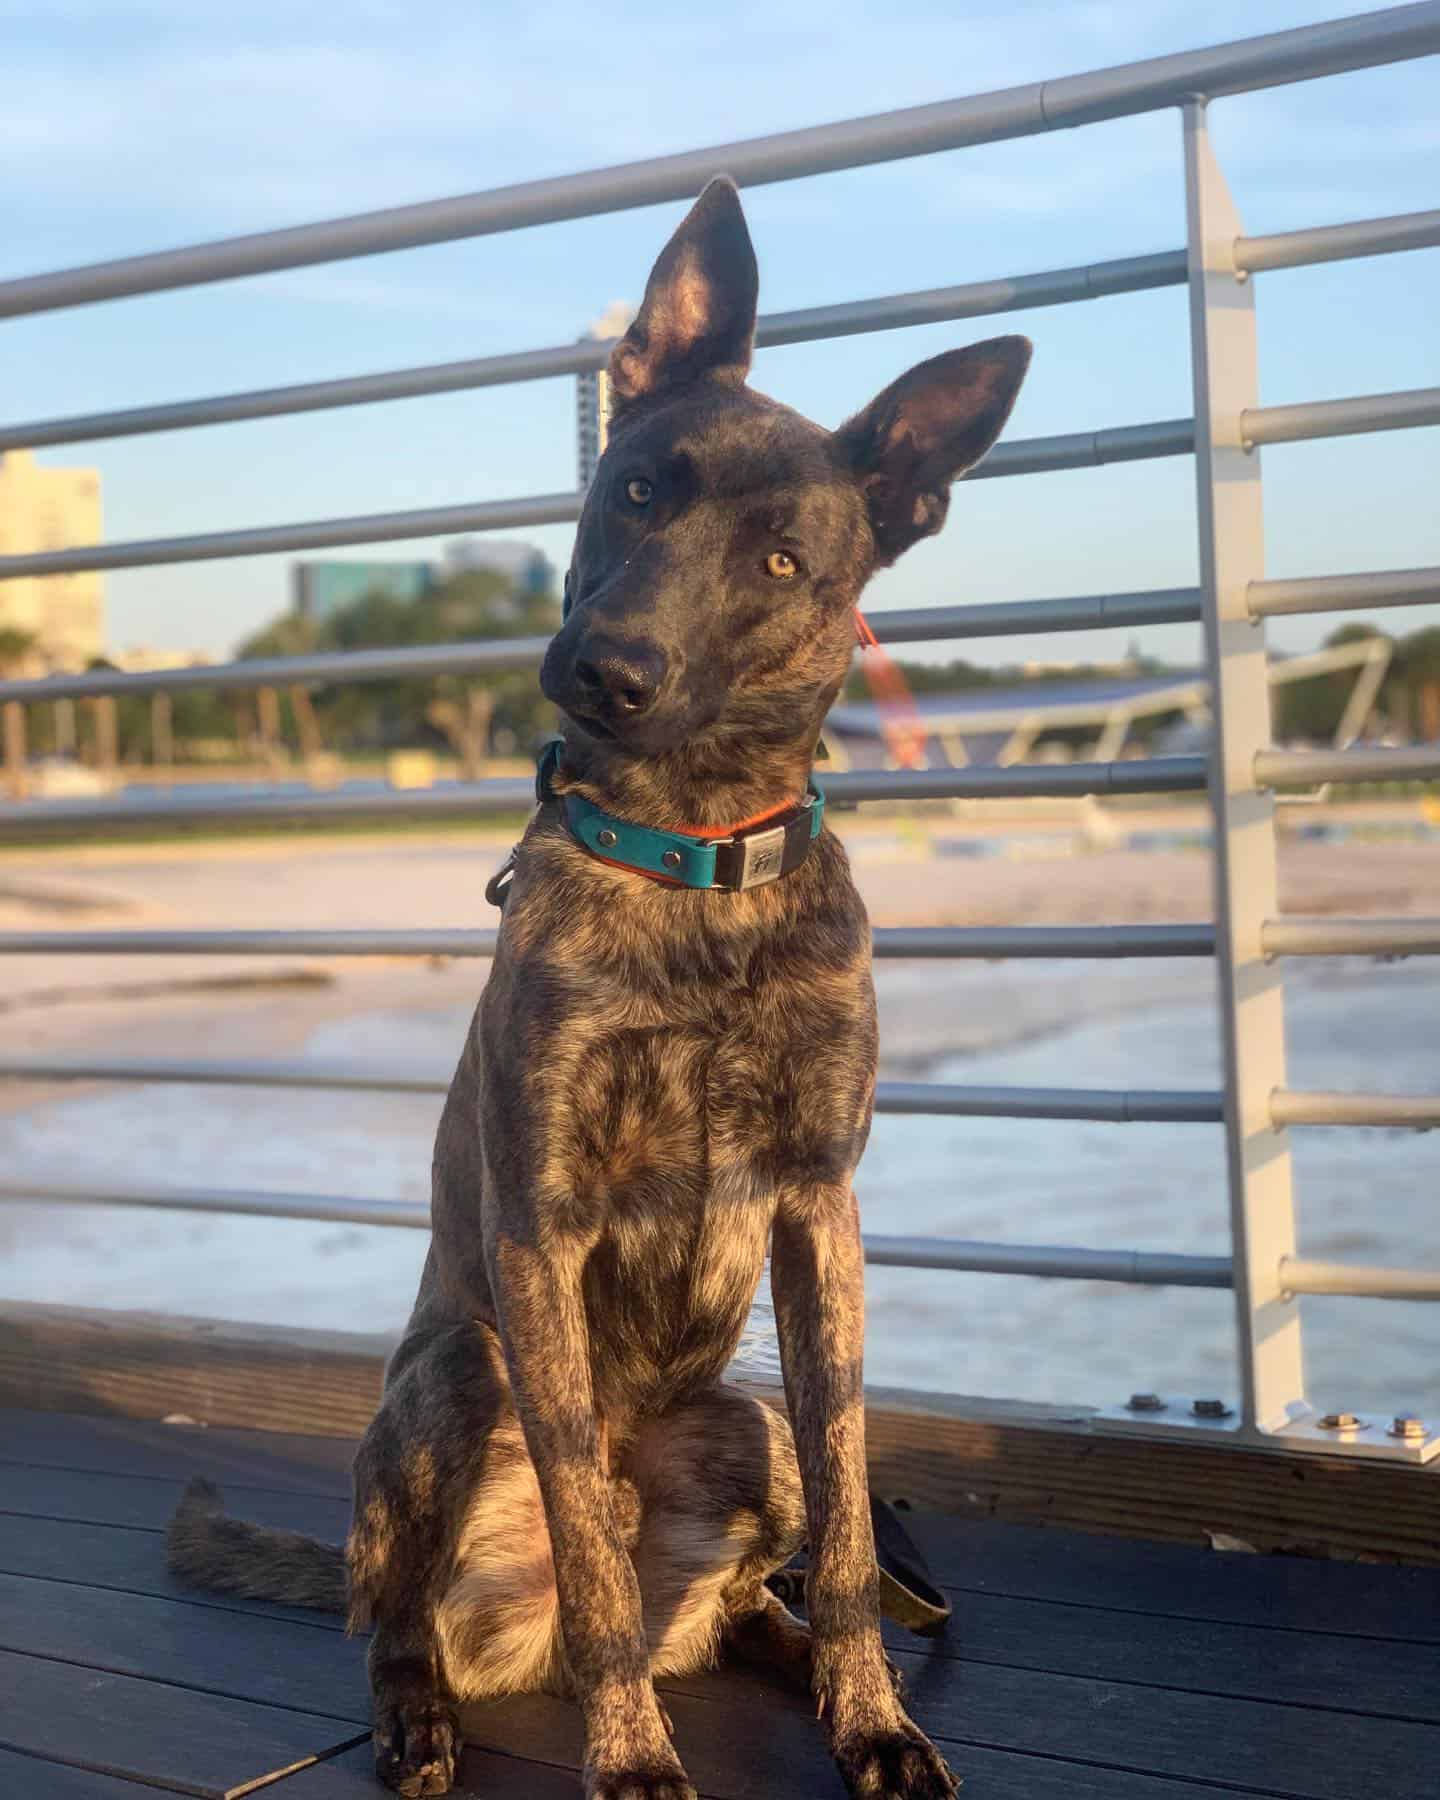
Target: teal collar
{"points": [[743, 859]]}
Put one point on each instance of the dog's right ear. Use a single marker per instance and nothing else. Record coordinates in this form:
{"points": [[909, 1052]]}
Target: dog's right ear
{"points": [[698, 316]]}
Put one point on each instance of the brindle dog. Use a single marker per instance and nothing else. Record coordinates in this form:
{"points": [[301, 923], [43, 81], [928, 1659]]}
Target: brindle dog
{"points": [[559, 1491]]}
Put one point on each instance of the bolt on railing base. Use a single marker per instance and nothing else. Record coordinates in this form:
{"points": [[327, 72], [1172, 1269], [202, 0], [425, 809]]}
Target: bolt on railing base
{"points": [[1178, 1419]]}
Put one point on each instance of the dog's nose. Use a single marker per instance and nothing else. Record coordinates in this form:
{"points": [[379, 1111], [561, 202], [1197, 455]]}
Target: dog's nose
{"points": [[626, 678]]}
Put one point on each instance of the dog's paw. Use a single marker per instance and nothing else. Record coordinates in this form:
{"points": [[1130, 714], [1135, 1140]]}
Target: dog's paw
{"points": [[658, 1781], [417, 1745], [895, 1764]]}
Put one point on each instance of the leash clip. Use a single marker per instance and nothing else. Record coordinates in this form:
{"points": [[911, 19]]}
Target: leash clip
{"points": [[497, 888]]}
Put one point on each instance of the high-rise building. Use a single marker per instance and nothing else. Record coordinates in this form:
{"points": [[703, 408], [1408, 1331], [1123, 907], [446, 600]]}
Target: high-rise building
{"points": [[592, 395], [318, 589], [526, 567], [321, 588], [51, 509]]}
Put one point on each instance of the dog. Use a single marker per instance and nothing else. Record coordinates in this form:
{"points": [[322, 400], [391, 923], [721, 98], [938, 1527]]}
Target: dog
{"points": [[664, 1077]]}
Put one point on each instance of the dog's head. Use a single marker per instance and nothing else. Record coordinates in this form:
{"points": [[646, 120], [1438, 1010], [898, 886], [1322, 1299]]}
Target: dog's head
{"points": [[726, 539]]}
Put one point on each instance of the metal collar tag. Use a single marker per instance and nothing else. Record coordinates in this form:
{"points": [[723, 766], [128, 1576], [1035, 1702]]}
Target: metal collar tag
{"points": [[761, 855]]}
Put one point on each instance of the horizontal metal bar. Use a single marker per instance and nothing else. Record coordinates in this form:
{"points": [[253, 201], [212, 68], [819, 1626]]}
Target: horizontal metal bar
{"points": [[1086, 449], [309, 396], [464, 800], [460, 800], [975, 299], [1351, 937], [987, 942], [1341, 593], [333, 666], [1146, 1268], [1163, 606], [337, 1077], [1306, 768], [1101, 942], [1117, 1106], [1030, 456], [1340, 418], [1013, 618], [1155, 775], [341, 1209], [890, 312], [458, 943], [1301, 1275], [1417, 1112], [905, 1098], [1143, 1268], [1337, 243], [1274, 59], [317, 534]]}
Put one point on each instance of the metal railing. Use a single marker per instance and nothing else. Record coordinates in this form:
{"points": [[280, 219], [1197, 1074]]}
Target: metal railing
{"points": [[1249, 939]]}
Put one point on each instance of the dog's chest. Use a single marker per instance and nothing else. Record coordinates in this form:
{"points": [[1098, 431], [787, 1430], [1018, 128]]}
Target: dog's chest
{"points": [[680, 1198]]}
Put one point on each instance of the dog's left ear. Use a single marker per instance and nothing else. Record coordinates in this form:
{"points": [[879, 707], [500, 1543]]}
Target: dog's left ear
{"points": [[698, 315], [925, 430]]}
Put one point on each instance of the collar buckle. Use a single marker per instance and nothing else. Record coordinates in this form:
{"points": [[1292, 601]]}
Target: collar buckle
{"points": [[762, 857]]}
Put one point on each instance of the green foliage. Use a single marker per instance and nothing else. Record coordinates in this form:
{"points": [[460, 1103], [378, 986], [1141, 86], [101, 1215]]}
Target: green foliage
{"points": [[15, 646], [379, 715], [1409, 700]]}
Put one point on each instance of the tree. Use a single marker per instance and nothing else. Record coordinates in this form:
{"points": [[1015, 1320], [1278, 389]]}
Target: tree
{"points": [[1417, 681], [466, 711], [1314, 707], [15, 648]]}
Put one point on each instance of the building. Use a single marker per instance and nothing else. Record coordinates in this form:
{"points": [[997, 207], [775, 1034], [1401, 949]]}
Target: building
{"points": [[319, 589], [51, 509], [592, 395], [141, 658], [527, 568]]}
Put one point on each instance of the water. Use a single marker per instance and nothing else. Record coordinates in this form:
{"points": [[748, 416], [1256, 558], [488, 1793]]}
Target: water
{"points": [[1367, 1196]]}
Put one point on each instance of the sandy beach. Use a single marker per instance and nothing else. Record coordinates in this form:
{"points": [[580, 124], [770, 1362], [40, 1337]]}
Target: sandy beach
{"points": [[1066, 1024]]}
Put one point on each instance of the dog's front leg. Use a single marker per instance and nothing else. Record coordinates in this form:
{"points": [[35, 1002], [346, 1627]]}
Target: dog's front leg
{"points": [[627, 1747], [817, 1275]]}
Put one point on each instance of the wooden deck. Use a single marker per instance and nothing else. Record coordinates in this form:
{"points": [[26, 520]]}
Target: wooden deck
{"points": [[1077, 1667]]}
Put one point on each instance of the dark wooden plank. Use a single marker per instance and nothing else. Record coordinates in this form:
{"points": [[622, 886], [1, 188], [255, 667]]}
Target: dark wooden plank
{"points": [[1302, 1752], [30, 1778], [1028, 1464], [1025, 1561], [270, 1661], [732, 1752], [169, 1737], [120, 1557], [484, 1775], [1177, 1580], [1299, 1668], [139, 1500], [989, 1775], [266, 1459]]}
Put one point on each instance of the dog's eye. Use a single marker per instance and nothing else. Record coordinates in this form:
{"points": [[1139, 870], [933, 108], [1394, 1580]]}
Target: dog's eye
{"points": [[638, 491], [782, 565]]}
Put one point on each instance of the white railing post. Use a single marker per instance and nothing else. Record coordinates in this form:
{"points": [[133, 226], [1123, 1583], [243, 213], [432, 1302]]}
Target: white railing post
{"points": [[1252, 1007]]}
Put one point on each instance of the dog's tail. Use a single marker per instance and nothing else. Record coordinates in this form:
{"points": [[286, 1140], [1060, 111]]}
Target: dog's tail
{"points": [[204, 1545]]}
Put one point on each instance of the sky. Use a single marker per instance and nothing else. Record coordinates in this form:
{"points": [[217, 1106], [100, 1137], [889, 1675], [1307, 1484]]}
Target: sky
{"points": [[134, 125]]}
